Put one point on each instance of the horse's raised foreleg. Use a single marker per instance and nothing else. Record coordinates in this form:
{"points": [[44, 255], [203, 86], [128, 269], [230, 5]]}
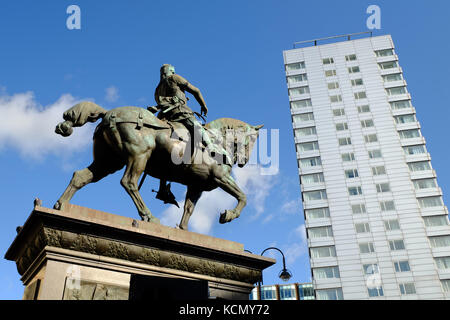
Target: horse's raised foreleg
{"points": [[225, 181], [192, 196], [135, 167]]}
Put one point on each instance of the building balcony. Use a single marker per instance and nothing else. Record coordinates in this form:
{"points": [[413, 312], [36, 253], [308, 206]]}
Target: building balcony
{"points": [[422, 174], [295, 72], [433, 211], [295, 111], [444, 274], [392, 84], [394, 57], [400, 112], [303, 96], [303, 124], [438, 231], [399, 97], [308, 154], [428, 192], [323, 262], [327, 283], [412, 141], [384, 72], [420, 157], [297, 84], [310, 170], [309, 138], [407, 126], [312, 187], [320, 222], [313, 204], [320, 242]]}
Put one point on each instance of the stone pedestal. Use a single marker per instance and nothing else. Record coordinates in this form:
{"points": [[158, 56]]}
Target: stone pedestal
{"points": [[80, 253]]}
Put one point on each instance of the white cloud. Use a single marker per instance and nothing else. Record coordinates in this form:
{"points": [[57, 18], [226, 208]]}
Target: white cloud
{"points": [[298, 248], [211, 204], [111, 94], [30, 128], [292, 206]]}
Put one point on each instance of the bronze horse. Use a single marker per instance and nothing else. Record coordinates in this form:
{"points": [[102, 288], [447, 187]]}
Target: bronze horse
{"points": [[133, 137]]}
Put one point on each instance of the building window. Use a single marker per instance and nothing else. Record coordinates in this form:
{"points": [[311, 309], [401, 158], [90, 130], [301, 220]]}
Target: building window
{"points": [[350, 57], [323, 252], [388, 65], [328, 61], [396, 91], [396, 105], [436, 221], [287, 292], [345, 141], [446, 285], [430, 202], [392, 77], [299, 104], [341, 126], [391, 225], [440, 241], [318, 213], [348, 157], [407, 118], [354, 191], [364, 109], [402, 266], [378, 170], [298, 91], [356, 82], [360, 95], [351, 173], [367, 123], [396, 245], [336, 98], [295, 66], [442, 262], [315, 195], [354, 69], [320, 232], [299, 118], [387, 205], [407, 288], [375, 154], [366, 247], [359, 208], [329, 294], [297, 78], [333, 85], [330, 73], [312, 178], [370, 269], [268, 293], [425, 183], [310, 162], [384, 53], [303, 132], [338, 112], [417, 149], [326, 273], [362, 227], [307, 146], [375, 291], [371, 138], [383, 187], [419, 166]]}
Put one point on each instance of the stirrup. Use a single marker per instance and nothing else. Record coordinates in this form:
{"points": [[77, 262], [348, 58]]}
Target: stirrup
{"points": [[166, 195]]}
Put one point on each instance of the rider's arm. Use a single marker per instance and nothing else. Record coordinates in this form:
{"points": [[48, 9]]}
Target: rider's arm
{"points": [[183, 83]]}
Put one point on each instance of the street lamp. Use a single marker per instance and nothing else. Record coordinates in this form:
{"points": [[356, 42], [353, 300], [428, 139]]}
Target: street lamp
{"points": [[284, 274]]}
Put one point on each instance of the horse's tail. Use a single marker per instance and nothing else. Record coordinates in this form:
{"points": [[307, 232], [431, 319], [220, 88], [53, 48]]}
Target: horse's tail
{"points": [[78, 115]]}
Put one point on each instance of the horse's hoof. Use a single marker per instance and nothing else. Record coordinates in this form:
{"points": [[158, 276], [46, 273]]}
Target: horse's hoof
{"points": [[226, 216], [150, 218], [57, 205]]}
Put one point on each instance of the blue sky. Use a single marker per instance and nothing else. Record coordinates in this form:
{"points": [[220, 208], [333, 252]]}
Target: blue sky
{"points": [[232, 51]]}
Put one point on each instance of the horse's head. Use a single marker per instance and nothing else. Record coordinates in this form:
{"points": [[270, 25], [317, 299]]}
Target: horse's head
{"points": [[244, 143]]}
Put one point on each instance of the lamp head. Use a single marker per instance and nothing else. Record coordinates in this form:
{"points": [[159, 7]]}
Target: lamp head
{"points": [[285, 274]]}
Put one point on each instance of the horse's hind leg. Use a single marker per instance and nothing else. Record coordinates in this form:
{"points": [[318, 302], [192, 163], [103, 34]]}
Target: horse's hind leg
{"points": [[192, 196], [135, 167], [80, 178]]}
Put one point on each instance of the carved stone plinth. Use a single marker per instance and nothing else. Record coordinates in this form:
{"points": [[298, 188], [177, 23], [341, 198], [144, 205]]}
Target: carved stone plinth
{"points": [[80, 253]]}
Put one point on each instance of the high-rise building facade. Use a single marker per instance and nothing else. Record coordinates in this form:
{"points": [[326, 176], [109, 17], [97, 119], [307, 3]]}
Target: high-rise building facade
{"points": [[376, 223]]}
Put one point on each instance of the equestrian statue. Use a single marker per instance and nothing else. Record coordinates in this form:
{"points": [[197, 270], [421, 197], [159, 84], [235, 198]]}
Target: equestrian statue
{"points": [[172, 146]]}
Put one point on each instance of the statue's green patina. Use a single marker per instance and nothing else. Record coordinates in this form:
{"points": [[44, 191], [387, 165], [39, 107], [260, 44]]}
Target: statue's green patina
{"points": [[161, 147]]}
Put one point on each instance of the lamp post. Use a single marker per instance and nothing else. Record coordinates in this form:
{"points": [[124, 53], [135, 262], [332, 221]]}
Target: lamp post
{"points": [[284, 274]]}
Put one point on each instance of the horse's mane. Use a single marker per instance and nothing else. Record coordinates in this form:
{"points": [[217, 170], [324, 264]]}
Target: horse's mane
{"points": [[223, 124]]}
